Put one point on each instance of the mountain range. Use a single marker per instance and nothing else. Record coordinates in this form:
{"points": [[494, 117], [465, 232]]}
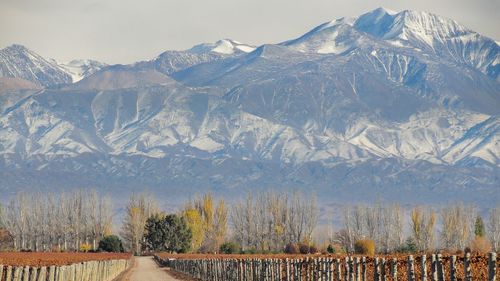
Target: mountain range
{"points": [[400, 106]]}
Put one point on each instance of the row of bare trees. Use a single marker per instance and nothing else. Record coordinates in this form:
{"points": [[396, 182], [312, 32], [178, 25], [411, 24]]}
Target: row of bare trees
{"points": [[266, 221], [382, 223], [40, 222], [385, 224], [269, 220]]}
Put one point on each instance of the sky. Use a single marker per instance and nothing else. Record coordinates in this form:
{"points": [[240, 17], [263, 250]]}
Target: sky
{"points": [[125, 31]]}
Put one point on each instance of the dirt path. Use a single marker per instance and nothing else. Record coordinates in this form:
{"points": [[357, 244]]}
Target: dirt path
{"points": [[145, 268]]}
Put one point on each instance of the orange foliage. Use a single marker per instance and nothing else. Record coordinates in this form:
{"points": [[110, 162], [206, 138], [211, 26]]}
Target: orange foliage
{"points": [[365, 247]]}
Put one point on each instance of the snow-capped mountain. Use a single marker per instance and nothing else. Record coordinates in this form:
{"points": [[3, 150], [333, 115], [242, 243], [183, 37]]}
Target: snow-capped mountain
{"points": [[434, 34], [170, 62], [224, 46], [403, 106], [17, 61], [79, 69]]}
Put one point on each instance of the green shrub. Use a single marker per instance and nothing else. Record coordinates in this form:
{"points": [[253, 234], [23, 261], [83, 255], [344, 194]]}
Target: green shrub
{"points": [[409, 247], [230, 248], [330, 249], [111, 243], [365, 247]]}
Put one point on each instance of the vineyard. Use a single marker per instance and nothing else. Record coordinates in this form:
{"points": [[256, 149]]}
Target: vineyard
{"points": [[15, 266], [334, 267]]}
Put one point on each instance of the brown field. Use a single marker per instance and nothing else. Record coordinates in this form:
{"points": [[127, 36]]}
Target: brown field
{"points": [[479, 263], [48, 259]]}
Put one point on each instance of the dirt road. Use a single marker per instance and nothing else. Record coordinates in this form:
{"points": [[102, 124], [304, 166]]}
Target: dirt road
{"points": [[146, 269]]}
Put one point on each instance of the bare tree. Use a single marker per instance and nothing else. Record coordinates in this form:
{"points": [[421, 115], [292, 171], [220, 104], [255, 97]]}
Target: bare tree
{"points": [[139, 209], [382, 223], [422, 224], [457, 222], [270, 220], [244, 222], [391, 228], [40, 222], [354, 226], [303, 217], [493, 228]]}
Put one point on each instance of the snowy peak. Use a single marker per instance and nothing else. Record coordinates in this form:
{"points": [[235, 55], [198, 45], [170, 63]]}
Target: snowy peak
{"points": [[376, 22], [420, 32], [17, 61], [434, 35], [224, 46], [79, 69], [335, 37], [386, 24]]}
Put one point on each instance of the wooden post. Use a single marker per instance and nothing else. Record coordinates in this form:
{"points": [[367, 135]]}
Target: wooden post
{"points": [[338, 269], [453, 268], [308, 268], [363, 269], [326, 269], [1, 272], [376, 270], [347, 269], [8, 273], [351, 268], [411, 269], [315, 270], [34, 271], [42, 275], [440, 268], [394, 269], [26, 273], [329, 269], [299, 267], [434, 268], [287, 268], [357, 266], [17, 274], [423, 266], [382, 269], [492, 266]]}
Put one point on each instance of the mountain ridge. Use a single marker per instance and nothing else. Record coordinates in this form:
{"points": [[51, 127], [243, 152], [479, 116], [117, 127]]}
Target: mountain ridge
{"points": [[342, 108]]}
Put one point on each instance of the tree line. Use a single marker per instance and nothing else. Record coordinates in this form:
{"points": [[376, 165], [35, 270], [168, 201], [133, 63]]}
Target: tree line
{"points": [[264, 222], [460, 227], [66, 221]]}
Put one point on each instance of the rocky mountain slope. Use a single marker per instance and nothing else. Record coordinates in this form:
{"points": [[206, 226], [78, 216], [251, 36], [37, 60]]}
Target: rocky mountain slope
{"points": [[402, 106], [17, 61]]}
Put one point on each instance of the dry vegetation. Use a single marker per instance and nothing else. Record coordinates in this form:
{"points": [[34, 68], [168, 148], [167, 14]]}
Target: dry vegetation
{"points": [[48, 259], [479, 263]]}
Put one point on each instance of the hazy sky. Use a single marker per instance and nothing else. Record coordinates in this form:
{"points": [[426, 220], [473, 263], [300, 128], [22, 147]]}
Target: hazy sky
{"points": [[124, 31]]}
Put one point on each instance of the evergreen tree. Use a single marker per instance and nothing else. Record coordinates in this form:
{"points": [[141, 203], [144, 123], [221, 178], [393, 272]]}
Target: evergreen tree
{"points": [[479, 227], [154, 235], [177, 235], [111, 243], [167, 233]]}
